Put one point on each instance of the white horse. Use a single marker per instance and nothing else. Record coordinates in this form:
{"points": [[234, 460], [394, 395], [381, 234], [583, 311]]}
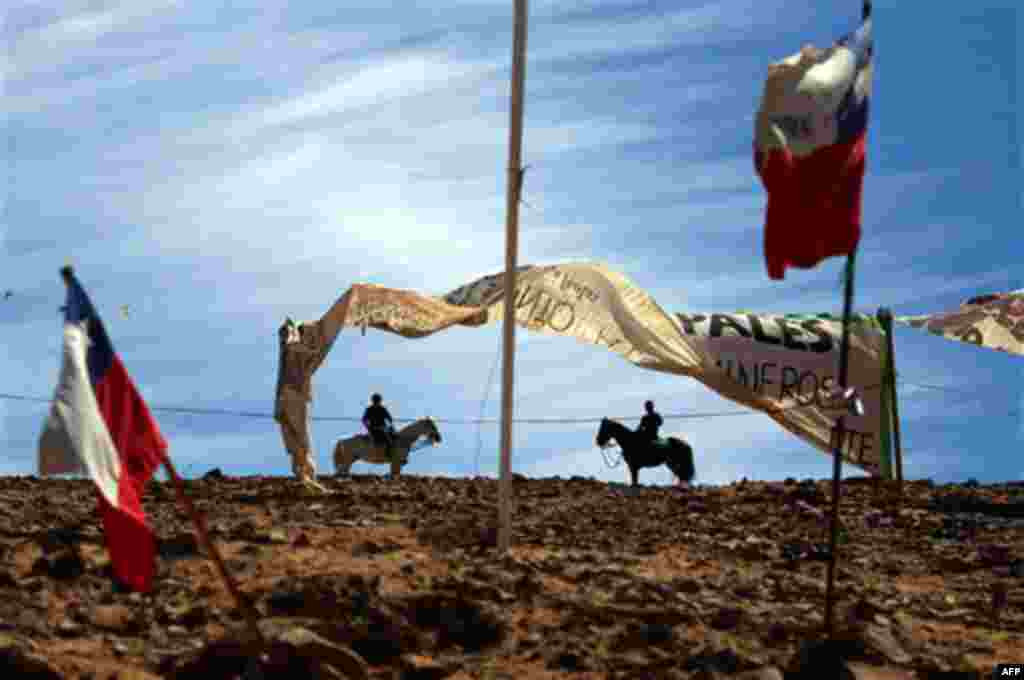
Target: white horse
{"points": [[361, 447]]}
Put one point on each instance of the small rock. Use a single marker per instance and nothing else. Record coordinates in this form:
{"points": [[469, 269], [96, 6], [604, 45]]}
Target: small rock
{"points": [[415, 667], [818, 659], [656, 633], [687, 585], [129, 647], [113, 617], [8, 579], [365, 549], [285, 602], [566, 660], [17, 662], [765, 673], [777, 633], [488, 537], [179, 547], [316, 648], [720, 661], [68, 628], [65, 564], [727, 618], [882, 641], [860, 671]]}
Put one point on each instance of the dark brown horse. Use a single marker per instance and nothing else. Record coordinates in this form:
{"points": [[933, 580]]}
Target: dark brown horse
{"points": [[640, 452]]}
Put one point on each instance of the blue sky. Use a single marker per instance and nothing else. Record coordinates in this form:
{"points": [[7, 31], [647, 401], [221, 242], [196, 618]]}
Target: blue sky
{"points": [[217, 166]]}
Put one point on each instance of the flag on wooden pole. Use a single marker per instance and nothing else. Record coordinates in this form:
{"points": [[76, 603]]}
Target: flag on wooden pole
{"points": [[809, 147], [100, 424]]}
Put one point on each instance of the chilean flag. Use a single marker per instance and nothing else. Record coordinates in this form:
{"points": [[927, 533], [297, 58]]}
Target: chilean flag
{"points": [[99, 424], [809, 151]]}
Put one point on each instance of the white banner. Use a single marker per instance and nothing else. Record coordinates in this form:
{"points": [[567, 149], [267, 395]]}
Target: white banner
{"points": [[995, 321], [784, 366]]}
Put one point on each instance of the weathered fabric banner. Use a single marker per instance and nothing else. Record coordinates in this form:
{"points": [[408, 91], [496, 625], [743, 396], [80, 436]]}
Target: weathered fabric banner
{"points": [[995, 321], [784, 366]]}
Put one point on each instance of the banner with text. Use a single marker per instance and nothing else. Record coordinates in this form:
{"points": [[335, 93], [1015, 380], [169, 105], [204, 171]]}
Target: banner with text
{"points": [[783, 365], [995, 321]]}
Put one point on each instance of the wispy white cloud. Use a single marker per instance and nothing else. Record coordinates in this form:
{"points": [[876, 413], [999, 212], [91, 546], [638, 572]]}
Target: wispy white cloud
{"points": [[255, 161]]}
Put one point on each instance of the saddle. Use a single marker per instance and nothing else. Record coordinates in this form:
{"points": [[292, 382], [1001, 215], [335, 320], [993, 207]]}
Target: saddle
{"points": [[379, 452], [664, 443]]}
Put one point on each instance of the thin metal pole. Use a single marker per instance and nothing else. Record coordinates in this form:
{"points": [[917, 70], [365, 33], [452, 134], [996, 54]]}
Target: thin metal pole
{"points": [[837, 452], [837, 458], [515, 177]]}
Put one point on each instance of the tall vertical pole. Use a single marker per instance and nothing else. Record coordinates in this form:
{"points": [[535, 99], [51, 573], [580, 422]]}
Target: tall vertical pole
{"points": [[245, 608], [885, 317], [839, 436], [837, 457], [515, 177]]}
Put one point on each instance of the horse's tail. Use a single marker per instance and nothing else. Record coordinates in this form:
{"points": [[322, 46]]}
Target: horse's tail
{"points": [[683, 465]]}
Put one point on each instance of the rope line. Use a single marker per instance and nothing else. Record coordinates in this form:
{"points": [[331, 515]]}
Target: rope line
{"points": [[495, 421], [483, 404]]}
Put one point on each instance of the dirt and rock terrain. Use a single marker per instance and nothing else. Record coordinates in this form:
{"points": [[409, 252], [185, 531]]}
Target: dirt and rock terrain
{"points": [[401, 579]]}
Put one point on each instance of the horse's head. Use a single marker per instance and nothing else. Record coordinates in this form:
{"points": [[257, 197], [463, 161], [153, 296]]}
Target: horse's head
{"points": [[604, 434], [433, 434]]}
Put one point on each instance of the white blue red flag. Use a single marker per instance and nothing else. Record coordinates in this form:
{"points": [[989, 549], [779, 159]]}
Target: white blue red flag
{"points": [[809, 147], [100, 424]]}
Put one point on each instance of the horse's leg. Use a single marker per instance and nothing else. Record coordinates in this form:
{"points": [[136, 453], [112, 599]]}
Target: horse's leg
{"points": [[343, 459], [396, 466], [633, 473]]}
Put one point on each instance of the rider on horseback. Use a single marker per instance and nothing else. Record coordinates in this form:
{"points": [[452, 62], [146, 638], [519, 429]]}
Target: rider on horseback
{"points": [[650, 423], [379, 424]]}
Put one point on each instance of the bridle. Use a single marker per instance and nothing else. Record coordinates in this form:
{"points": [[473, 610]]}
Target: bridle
{"points": [[602, 448]]}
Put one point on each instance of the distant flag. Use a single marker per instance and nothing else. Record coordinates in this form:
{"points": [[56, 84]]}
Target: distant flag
{"points": [[100, 424], [809, 147]]}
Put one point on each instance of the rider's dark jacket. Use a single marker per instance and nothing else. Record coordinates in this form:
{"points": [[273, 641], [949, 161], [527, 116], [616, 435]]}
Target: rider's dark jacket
{"points": [[376, 418], [649, 425]]}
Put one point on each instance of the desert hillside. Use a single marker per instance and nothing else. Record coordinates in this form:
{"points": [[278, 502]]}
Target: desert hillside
{"points": [[602, 582]]}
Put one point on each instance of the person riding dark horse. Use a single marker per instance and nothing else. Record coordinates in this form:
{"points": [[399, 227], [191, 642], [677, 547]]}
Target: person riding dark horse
{"points": [[379, 424], [638, 452], [650, 423]]}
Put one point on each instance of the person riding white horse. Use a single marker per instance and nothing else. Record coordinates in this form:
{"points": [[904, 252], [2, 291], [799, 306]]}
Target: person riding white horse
{"points": [[379, 424], [361, 447]]}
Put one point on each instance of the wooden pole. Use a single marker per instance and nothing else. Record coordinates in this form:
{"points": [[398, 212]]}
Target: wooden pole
{"points": [[66, 273], [515, 178], [250, 614], [885, 317]]}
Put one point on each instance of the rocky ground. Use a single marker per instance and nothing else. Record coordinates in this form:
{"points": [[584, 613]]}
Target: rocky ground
{"points": [[401, 579]]}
